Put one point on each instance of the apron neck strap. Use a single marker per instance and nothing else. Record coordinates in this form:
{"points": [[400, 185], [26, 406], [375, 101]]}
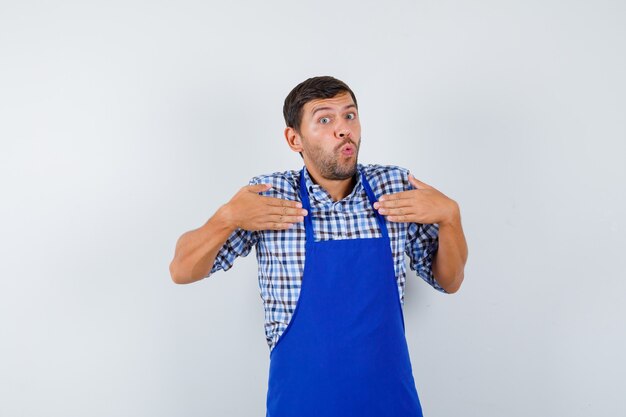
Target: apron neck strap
{"points": [[373, 199], [308, 222], [304, 196]]}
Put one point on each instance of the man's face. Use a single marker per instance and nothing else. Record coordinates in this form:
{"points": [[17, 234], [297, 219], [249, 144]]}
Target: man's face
{"points": [[331, 136]]}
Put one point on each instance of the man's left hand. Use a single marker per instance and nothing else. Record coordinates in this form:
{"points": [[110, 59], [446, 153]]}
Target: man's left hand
{"points": [[424, 205]]}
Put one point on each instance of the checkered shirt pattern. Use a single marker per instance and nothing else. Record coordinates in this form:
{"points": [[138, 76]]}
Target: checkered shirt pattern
{"points": [[280, 253]]}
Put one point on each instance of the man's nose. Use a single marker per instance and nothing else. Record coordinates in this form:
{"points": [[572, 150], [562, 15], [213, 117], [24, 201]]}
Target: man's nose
{"points": [[344, 132]]}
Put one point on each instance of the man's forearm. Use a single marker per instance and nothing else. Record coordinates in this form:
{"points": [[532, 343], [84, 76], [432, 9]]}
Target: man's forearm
{"points": [[196, 250], [451, 256]]}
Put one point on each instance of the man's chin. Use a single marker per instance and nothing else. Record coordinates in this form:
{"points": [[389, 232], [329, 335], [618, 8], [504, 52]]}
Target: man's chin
{"points": [[345, 173]]}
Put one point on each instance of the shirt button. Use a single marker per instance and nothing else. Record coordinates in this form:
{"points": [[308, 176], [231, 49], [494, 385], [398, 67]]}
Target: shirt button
{"points": [[338, 207]]}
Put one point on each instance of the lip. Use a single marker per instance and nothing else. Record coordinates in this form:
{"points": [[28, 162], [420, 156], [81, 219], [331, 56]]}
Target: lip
{"points": [[347, 150]]}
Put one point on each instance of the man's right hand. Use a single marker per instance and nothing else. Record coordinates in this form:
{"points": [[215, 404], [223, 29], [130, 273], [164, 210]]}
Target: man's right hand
{"points": [[197, 249], [250, 211]]}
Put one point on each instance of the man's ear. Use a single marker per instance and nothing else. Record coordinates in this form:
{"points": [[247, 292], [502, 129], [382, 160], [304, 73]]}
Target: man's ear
{"points": [[294, 140]]}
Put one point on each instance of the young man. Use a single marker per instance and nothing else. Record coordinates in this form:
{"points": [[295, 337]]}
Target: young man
{"points": [[330, 241]]}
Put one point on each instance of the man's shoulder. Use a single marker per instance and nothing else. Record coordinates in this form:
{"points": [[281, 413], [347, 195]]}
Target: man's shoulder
{"points": [[386, 179], [284, 183]]}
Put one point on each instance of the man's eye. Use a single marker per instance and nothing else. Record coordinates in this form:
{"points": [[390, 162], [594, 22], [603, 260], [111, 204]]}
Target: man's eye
{"points": [[351, 116], [325, 120]]}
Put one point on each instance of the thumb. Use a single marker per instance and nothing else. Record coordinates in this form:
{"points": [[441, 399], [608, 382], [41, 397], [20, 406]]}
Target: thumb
{"points": [[417, 183], [259, 188]]}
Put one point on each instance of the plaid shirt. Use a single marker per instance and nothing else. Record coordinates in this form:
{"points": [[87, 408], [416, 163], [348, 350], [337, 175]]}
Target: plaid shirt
{"points": [[280, 253]]}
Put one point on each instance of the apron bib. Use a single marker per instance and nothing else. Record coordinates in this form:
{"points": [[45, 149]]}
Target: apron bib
{"points": [[344, 351]]}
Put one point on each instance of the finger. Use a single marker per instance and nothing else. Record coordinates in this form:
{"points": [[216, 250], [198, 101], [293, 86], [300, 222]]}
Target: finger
{"points": [[398, 219], [258, 188], [280, 218], [405, 202], [277, 226], [417, 183], [401, 211], [287, 211], [281, 202], [395, 196]]}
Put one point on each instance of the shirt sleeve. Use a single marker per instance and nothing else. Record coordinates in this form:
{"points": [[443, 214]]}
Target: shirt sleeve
{"points": [[239, 243], [421, 245]]}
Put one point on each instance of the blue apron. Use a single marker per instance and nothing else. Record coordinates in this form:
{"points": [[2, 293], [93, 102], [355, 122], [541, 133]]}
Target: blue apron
{"points": [[344, 352]]}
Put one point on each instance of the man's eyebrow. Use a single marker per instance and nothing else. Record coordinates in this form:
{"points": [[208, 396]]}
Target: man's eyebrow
{"points": [[349, 106]]}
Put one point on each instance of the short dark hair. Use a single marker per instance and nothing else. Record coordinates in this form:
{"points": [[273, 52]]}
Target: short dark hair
{"points": [[311, 89]]}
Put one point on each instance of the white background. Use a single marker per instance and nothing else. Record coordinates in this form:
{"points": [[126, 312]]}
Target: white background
{"points": [[124, 124]]}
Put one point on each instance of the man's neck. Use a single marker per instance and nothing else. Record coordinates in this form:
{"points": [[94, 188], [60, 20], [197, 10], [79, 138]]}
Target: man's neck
{"points": [[338, 189]]}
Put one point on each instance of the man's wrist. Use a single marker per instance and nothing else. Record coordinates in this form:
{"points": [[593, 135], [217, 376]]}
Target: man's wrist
{"points": [[453, 215], [223, 220]]}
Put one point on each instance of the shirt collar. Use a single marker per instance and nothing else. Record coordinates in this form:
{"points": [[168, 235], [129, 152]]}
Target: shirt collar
{"points": [[319, 194]]}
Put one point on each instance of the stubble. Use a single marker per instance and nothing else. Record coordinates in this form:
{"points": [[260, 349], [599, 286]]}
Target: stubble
{"points": [[333, 166]]}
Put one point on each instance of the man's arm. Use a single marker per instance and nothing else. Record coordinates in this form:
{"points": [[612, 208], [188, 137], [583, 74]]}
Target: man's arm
{"points": [[197, 249], [451, 256]]}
